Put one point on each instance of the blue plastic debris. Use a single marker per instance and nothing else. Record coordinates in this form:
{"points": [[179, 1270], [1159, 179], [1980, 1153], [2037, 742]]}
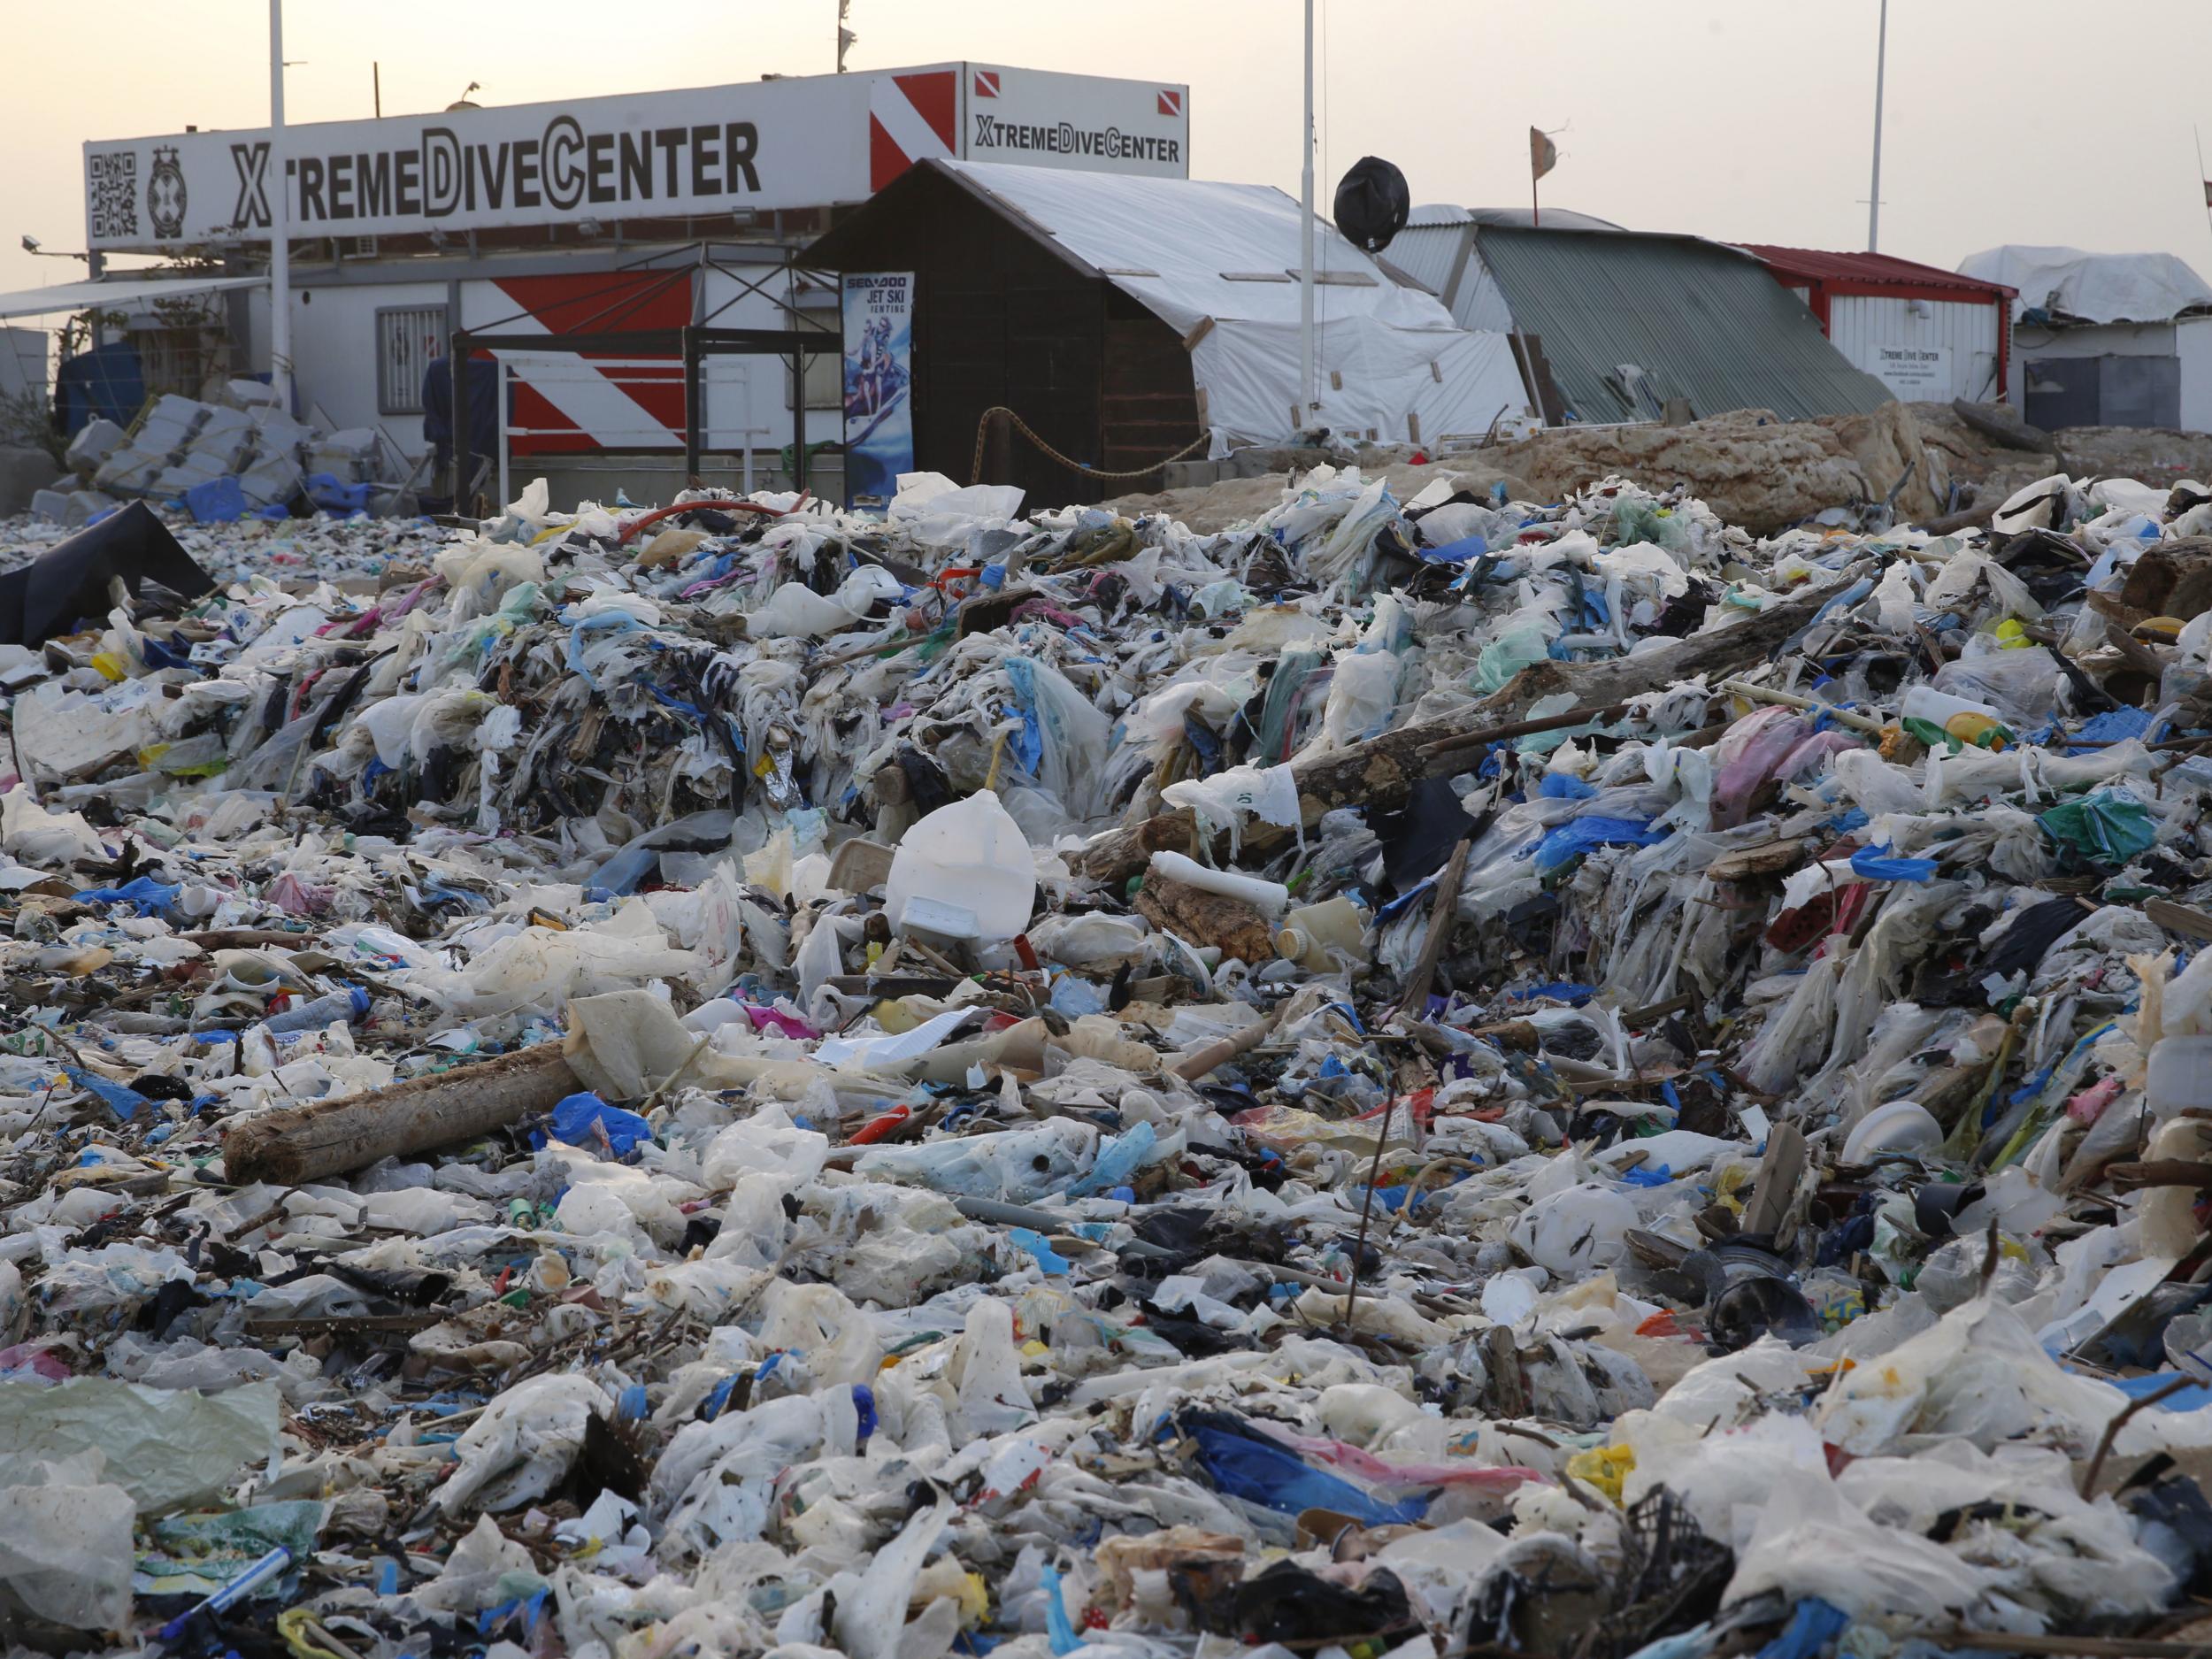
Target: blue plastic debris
{"points": [[1577, 836], [1878, 863], [583, 1118], [1242, 1464], [124, 1101]]}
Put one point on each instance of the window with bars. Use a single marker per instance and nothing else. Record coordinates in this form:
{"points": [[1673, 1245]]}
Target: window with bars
{"points": [[407, 337]]}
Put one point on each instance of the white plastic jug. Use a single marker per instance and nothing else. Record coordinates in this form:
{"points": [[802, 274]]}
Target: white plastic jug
{"points": [[964, 872], [1312, 932]]}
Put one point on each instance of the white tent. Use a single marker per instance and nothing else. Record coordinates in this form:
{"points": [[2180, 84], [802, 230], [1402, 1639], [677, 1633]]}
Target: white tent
{"points": [[2093, 287], [1218, 264]]}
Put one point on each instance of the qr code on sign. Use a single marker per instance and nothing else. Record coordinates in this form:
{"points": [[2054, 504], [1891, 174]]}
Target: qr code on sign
{"points": [[113, 188]]}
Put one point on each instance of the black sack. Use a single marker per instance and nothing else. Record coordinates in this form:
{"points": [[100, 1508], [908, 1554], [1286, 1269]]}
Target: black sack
{"points": [[1372, 204], [69, 581]]}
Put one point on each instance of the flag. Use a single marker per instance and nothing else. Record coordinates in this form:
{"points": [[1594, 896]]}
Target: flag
{"points": [[1543, 155]]}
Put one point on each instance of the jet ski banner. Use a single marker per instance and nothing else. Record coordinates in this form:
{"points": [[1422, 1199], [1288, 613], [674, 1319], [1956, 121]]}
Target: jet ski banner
{"points": [[879, 381]]}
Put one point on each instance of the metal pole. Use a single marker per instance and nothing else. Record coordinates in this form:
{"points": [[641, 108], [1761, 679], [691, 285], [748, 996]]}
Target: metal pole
{"points": [[376, 87], [694, 407], [457, 361], [506, 493], [798, 422], [1305, 239], [279, 229], [745, 402], [1874, 195]]}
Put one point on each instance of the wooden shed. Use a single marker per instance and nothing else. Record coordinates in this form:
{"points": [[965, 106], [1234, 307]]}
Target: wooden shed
{"points": [[1006, 317]]}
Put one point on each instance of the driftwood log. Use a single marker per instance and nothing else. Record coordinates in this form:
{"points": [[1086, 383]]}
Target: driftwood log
{"points": [[305, 1143], [1381, 771], [1232, 925]]}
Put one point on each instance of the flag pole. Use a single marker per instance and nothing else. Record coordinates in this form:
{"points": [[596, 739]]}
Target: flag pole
{"points": [[1305, 241], [2202, 180], [279, 229], [1874, 194]]}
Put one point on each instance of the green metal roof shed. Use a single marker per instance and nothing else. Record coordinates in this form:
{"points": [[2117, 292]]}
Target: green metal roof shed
{"points": [[1625, 321]]}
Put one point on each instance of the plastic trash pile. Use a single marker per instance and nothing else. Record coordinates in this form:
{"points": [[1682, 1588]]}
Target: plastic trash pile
{"points": [[1412, 1077]]}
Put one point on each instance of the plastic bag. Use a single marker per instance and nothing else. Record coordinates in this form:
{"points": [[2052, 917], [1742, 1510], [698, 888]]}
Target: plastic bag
{"points": [[66, 1553], [522, 1445], [2108, 827], [1979, 1374], [1363, 696], [2024, 687]]}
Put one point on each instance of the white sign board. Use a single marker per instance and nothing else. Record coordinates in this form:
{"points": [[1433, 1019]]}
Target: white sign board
{"points": [[814, 141], [1919, 373], [1043, 120]]}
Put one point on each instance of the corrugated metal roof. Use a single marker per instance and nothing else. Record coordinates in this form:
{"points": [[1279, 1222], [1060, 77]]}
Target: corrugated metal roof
{"points": [[1427, 253], [1815, 265], [1554, 218], [1700, 320]]}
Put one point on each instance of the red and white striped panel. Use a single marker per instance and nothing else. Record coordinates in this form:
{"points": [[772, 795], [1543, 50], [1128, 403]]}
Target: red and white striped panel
{"points": [[911, 118], [567, 402]]}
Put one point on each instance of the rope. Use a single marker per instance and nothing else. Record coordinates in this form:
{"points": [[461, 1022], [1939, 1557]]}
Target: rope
{"points": [[983, 427]]}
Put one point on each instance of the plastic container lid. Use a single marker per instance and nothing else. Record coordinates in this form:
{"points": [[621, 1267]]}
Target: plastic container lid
{"points": [[1902, 1125]]}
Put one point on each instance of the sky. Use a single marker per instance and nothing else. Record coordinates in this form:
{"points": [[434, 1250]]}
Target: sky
{"points": [[1741, 119]]}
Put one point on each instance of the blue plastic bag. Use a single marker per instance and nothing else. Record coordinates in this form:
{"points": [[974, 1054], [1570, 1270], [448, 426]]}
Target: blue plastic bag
{"points": [[1577, 836], [581, 1118], [122, 1100], [143, 891], [1118, 1161], [1243, 1465], [1878, 863]]}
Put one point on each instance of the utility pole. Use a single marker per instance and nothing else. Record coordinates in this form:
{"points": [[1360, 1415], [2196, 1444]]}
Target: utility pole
{"points": [[279, 229], [1874, 195], [845, 36], [1305, 241]]}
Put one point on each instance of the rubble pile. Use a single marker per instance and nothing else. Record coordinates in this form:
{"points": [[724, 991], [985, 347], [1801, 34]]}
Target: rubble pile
{"points": [[222, 461], [1423, 1073]]}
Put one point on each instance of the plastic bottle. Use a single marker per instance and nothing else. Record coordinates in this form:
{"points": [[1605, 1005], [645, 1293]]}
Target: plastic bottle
{"points": [[1271, 898], [964, 872], [1974, 722], [1312, 932], [348, 1005]]}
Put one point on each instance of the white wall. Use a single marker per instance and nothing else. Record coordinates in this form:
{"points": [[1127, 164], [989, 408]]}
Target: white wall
{"points": [[1859, 324], [23, 361], [2193, 342], [333, 355]]}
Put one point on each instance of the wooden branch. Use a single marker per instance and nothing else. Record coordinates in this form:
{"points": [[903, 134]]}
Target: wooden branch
{"points": [[1442, 910], [296, 1144], [1380, 772]]}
